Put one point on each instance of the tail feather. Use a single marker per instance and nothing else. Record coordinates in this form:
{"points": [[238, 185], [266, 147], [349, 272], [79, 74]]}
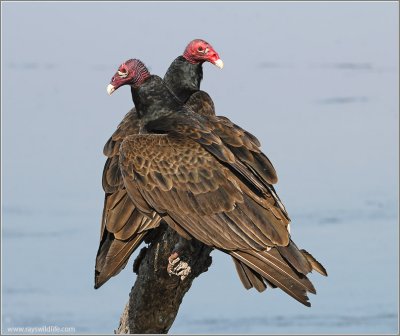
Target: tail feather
{"points": [[120, 211], [314, 263], [295, 258], [123, 229], [273, 257], [242, 274], [274, 269], [113, 256], [248, 277]]}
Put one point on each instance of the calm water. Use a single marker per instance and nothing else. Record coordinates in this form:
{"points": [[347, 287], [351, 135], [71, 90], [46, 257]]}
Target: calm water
{"points": [[317, 83]]}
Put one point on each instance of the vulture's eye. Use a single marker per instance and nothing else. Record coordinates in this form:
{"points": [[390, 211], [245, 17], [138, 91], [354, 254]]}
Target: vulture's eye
{"points": [[200, 49], [122, 73]]}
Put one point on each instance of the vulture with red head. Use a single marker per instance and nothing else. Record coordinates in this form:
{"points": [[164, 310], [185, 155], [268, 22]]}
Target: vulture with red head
{"points": [[208, 179], [121, 220]]}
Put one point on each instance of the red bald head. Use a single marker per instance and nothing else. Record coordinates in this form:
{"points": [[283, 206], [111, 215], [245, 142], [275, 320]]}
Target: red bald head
{"points": [[132, 72], [199, 51]]}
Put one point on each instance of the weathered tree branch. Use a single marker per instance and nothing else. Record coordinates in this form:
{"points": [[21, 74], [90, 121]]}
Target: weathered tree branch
{"points": [[156, 296]]}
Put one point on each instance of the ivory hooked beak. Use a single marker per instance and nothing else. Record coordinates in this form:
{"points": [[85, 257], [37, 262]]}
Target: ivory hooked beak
{"points": [[219, 63], [110, 89]]}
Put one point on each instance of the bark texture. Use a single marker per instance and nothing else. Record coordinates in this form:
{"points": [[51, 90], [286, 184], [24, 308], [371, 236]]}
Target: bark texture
{"points": [[156, 296]]}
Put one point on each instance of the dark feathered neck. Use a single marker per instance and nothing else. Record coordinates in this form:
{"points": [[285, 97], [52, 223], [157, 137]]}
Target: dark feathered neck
{"points": [[183, 78], [153, 99]]}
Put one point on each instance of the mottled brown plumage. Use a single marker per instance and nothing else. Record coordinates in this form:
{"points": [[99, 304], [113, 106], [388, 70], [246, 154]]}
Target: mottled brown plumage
{"points": [[186, 183], [208, 179], [121, 220]]}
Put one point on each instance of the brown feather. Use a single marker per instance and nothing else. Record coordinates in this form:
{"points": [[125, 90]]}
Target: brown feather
{"points": [[178, 197], [292, 254], [222, 197], [274, 273], [248, 277], [314, 263], [113, 256], [120, 213], [242, 274], [201, 103], [132, 226]]}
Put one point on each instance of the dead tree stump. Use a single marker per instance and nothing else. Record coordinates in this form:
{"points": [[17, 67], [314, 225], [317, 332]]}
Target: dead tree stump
{"points": [[156, 296]]}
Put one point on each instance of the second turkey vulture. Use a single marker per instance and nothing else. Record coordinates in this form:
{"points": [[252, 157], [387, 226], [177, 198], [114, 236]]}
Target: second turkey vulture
{"points": [[120, 221], [208, 179]]}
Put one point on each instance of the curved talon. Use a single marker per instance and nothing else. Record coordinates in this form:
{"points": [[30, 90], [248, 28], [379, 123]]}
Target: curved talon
{"points": [[185, 271], [178, 267], [173, 257], [174, 261]]}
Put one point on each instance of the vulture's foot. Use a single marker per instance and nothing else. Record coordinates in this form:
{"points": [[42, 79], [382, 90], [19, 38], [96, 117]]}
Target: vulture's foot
{"points": [[178, 267]]}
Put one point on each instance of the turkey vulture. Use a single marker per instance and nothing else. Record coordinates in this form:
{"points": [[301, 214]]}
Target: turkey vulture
{"points": [[120, 219], [208, 179]]}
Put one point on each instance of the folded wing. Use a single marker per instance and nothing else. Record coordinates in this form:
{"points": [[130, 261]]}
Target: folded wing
{"points": [[179, 179], [123, 226]]}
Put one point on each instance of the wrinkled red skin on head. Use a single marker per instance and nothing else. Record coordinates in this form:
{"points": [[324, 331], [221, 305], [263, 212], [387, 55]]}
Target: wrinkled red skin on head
{"points": [[195, 52], [136, 74], [117, 81]]}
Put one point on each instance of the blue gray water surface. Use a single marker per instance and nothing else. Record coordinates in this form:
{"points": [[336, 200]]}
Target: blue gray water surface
{"points": [[317, 83]]}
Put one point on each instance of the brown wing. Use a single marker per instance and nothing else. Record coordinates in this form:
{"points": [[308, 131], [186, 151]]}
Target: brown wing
{"points": [[179, 178], [245, 147], [129, 125], [200, 102], [230, 144], [243, 144], [123, 226], [121, 219]]}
